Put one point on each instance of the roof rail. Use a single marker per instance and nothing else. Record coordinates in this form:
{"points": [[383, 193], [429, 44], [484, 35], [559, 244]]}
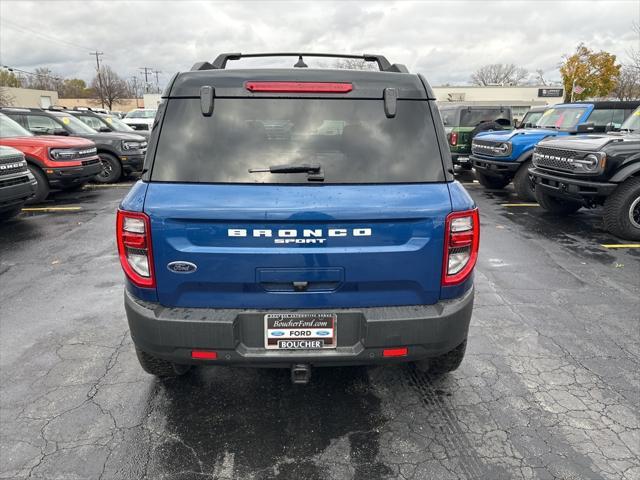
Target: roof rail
{"points": [[220, 62]]}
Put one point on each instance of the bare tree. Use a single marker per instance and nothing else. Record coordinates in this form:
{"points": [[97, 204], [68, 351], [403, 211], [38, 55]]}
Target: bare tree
{"points": [[499, 74], [354, 64], [634, 53], [44, 79], [627, 84], [540, 77], [109, 87]]}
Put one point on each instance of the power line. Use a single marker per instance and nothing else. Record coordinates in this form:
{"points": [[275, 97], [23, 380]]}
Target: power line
{"points": [[147, 71], [48, 37], [13, 69]]}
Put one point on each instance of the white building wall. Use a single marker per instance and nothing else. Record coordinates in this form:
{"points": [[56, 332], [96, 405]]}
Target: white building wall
{"points": [[152, 100], [26, 97], [520, 99]]}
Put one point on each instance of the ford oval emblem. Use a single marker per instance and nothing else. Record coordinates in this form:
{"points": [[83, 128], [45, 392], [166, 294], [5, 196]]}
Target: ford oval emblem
{"points": [[323, 333], [277, 333], [182, 267]]}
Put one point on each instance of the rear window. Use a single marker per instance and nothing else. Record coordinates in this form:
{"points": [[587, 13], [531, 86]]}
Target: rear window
{"points": [[476, 116], [352, 140]]}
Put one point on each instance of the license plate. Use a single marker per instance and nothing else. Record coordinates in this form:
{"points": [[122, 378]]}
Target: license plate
{"points": [[299, 331], [463, 159]]}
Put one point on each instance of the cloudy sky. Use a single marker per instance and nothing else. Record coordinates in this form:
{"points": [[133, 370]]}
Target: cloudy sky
{"points": [[446, 41]]}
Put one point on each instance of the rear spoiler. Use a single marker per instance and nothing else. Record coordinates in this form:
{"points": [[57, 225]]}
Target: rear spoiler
{"points": [[220, 62]]}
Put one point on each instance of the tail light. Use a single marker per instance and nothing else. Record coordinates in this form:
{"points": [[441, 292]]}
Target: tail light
{"points": [[453, 139], [299, 87], [133, 230], [461, 243]]}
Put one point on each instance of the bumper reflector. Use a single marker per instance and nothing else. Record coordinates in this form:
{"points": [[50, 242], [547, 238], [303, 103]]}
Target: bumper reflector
{"points": [[204, 354], [395, 352]]}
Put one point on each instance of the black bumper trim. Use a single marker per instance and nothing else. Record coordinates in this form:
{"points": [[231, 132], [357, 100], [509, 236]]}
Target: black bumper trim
{"points": [[571, 188], [133, 163], [495, 168], [61, 177], [14, 195], [238, 335]]}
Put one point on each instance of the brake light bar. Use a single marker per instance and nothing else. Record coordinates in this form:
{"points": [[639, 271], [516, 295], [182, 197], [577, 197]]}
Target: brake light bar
{"points": [[453, 139], [133, 231], [461, 245], [299, 87]]}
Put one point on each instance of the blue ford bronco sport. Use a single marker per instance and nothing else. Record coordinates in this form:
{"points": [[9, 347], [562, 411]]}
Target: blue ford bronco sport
{"points": [[499, 157], [297, 218]]}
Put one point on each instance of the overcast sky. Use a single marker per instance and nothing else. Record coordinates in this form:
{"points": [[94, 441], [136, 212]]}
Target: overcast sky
{"points": [[446, 41]]}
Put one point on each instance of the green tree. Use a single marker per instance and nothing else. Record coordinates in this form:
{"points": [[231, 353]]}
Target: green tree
{"points": [[8, 79], [74, 88], [596, 72]]}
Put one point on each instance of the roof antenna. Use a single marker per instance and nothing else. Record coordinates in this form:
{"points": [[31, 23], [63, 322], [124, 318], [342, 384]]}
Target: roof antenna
{"points": [[300, 63]]}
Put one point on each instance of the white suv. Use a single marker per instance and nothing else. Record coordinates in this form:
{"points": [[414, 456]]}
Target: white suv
{"points": [[140, 118]]}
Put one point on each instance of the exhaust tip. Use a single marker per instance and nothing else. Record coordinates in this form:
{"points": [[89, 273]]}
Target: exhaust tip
{"points": [[300, 373]]}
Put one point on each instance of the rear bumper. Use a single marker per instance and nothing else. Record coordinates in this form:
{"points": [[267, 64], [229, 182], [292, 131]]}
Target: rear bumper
{"points": [[570, 188], [495, 168], [62, 177], [238, 335], [13, 194], [462, 159]]}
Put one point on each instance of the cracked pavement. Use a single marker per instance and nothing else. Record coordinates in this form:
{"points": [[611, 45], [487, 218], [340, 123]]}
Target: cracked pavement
{"points": [[549, 388]]}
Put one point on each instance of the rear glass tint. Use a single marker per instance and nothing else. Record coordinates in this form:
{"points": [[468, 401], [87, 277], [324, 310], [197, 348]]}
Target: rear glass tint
{"points": [[474, 117], [352, 140]]}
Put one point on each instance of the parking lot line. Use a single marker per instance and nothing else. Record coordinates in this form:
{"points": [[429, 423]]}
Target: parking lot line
{"points": [[107, 185], [519, 205], [50, 209], [620, 245]]}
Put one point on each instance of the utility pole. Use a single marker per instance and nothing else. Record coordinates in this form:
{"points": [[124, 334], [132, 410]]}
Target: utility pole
{"points": [[98, 55], [135, 89], [157, 81], [147, 71]]}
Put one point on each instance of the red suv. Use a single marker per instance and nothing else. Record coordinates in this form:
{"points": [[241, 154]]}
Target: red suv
{"points": [[55, 162]]}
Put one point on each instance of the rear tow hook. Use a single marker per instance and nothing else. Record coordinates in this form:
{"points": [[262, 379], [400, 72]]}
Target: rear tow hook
{"points": [[300, 373]]}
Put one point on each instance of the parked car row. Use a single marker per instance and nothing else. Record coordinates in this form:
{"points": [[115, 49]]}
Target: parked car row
{"points": [[17, 184], [569, 156], [64, 149], [593, 170]]}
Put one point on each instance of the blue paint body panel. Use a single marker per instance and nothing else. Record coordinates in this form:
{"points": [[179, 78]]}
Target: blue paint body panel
{"points": [[371, 245]]}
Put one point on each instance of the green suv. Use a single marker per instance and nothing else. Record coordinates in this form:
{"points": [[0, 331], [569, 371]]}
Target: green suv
{"points": [[463, 122]]}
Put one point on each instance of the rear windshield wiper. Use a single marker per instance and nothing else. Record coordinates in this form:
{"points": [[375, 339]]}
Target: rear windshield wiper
{"points": [[314, 171]]}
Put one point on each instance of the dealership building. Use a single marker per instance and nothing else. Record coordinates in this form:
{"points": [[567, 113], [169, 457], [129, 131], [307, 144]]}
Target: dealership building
{"points": [[520, 99]]}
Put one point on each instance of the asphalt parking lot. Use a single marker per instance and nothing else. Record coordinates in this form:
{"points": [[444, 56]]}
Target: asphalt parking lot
{"points": [[550, 387]]}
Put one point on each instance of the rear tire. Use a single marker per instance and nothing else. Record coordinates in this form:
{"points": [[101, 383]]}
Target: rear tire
{"points": [[158, 367], [42, 185], [7, 214], [74, 188], [522, 184], [556, 205], [445, 363], [491, 182], [111, 169], [622, 210]]}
